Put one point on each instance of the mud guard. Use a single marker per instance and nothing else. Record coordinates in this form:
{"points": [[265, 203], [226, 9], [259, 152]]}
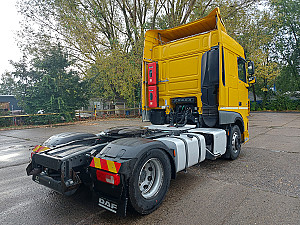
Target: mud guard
{"points": [[128, 152]]}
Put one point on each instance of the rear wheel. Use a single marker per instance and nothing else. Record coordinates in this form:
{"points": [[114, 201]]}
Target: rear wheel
{"points": [[150, 181], [234, 143]]}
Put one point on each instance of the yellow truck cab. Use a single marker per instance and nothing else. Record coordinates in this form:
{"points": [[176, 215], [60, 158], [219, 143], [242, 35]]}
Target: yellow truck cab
{"points": [[196, 74]]}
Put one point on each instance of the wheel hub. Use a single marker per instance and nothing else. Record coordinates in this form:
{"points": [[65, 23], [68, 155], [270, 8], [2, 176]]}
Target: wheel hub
{"points": [[150, 178], [235, 143]]}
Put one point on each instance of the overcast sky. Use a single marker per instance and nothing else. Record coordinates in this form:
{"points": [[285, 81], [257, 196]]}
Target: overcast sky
{"points": [[9, 24]]}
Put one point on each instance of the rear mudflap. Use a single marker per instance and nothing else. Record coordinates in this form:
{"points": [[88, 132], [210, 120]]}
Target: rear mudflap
{"points": [[112, 198]]}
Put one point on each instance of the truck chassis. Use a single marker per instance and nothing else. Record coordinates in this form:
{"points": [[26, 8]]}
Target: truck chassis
{"points": [[128, 164]]}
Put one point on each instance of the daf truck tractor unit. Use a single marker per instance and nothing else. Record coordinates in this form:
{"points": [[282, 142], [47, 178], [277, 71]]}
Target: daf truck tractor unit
{"points": [[194, 93]]}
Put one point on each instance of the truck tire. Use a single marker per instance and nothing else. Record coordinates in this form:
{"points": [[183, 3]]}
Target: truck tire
{"points": [[234, 143], [150, 181]]}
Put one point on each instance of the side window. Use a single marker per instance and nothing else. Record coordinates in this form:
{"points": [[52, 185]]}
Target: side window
{"points": [[242, 69]]}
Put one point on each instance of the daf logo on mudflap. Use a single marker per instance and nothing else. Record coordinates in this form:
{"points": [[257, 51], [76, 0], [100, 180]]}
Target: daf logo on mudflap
{"points": [[37, 179], [108, 205]]}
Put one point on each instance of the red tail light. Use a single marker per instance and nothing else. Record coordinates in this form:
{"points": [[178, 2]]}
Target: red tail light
{"points": [[153, 96], [107, 177], [152, 73]]}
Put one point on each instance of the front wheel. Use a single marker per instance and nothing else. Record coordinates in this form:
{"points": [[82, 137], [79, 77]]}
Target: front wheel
{"points": [[234, 143], [150, 181]]}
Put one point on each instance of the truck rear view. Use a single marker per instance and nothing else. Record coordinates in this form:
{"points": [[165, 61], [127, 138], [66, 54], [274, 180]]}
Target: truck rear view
{"points": [[195, 95]]}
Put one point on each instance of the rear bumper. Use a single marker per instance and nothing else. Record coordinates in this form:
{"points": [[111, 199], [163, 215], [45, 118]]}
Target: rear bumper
{"points": [[65, 188], [49, 182]]}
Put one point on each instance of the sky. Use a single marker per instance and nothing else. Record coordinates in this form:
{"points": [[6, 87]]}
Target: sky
{"points": [[9, 25]]}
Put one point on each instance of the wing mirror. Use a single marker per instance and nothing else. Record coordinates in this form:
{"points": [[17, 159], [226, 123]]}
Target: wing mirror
{"points": [[252, 80], [250, 68]]}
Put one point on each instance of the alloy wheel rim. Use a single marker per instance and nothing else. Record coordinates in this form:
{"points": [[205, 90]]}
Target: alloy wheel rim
{"points": [[235, 143], [150, 178]]}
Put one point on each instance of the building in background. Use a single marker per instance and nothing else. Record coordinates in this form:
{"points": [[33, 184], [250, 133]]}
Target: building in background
{"points": [[114, 107], [9, 103]]}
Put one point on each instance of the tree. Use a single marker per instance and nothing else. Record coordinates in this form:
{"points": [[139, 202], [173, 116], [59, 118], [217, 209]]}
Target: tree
{"points": [[7, 84], [49, 83], [287, 47], [106, 36], [118, 77]]}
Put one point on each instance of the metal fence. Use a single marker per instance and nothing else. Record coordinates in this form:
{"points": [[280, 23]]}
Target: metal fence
{"points": [[126, 112]]}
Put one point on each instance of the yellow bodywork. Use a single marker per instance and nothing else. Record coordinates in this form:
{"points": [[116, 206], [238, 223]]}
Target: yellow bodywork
{"points": [[179, 51]]}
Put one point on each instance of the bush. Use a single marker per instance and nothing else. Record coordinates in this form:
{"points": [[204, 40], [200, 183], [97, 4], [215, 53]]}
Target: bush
{"points": [[280, 102], [4, 122], [48, 119], [41, 119]]}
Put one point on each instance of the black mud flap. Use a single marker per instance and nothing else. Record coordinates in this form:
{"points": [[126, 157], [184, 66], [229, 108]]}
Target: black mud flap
{"points": [[116, 205]]}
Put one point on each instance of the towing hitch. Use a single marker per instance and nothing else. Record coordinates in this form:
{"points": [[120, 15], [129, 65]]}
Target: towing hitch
{"points": [[63, 186]]}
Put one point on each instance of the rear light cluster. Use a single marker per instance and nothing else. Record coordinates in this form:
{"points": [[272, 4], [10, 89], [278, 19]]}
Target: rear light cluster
{"points": [[152, 82], [153, 96], [152, 73], [107, 177]]}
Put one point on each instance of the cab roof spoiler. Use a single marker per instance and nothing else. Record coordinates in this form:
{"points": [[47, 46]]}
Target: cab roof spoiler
{"points": [[211, 22]]}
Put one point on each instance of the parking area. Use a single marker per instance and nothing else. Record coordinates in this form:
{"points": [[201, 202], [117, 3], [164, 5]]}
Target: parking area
{"points": [[261, 187]]}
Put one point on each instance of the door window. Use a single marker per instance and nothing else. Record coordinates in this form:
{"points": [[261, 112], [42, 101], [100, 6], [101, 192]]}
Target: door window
{"points": [[242, 69]]}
